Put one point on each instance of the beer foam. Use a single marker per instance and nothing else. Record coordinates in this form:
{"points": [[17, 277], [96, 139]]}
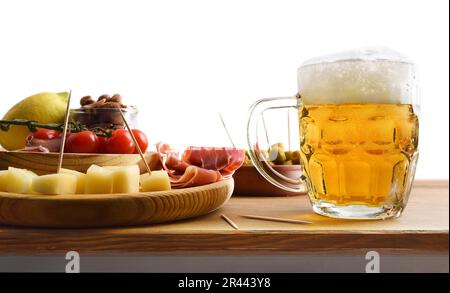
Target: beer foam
{"points": [[364, 76]]}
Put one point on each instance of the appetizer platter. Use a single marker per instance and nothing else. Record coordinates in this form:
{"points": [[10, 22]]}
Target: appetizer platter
{"points": [[89, 167]]}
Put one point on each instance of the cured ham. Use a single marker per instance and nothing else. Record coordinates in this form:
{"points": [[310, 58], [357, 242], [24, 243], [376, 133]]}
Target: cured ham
{"points": [[196, 176], [224, 160], [34, 149], [200, 165], [34, 144]]}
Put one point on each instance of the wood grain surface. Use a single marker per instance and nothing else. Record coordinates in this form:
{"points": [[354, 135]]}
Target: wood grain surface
{"points": [[423, 228], [46, 163], [112, 210]]}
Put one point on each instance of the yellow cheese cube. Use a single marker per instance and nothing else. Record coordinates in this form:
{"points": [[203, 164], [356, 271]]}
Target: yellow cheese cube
{"points": [[126, 178], [99, 180], [4, 175], [157, 181], [55, 184], [81, 179], [19, 180]]}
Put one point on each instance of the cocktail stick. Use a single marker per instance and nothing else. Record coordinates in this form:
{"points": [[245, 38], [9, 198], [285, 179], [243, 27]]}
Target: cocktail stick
{"points": [[289, 129], [272, 219], [64, 136], [226, 130], [135, 142], [230, 222], [265, 131]]}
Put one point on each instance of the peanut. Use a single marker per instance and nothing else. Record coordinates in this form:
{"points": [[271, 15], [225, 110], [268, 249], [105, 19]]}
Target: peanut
{"points": [[87, 100], [104, 97], [116, 98]]}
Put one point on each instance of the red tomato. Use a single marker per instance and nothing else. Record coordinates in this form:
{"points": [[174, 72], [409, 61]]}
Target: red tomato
{"points": [[102, 141], [43, 133], [82, 142], [120, 143], [141, 139]]}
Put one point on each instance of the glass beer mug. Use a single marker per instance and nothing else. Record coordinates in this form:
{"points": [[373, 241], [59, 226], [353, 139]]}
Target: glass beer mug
{"points": [[358, 124]]}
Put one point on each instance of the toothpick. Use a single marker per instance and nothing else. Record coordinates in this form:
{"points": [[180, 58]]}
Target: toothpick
{"points": [[226, 130], [135, 142], [265, 130], [272, 219], [64, 136], [230, 222], [289, 129]]}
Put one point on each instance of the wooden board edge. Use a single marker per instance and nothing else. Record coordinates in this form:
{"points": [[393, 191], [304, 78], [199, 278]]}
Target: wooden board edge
{"points": [[241, 243]]}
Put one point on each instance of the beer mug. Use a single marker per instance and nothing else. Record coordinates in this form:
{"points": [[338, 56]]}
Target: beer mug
{"points": [[358, 140]]}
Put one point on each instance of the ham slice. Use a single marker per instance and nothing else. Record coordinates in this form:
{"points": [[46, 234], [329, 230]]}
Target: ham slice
{"points": [[175, 165], [200, 165], [34, 149], [34, 144], [225, 160], [195, 176]]}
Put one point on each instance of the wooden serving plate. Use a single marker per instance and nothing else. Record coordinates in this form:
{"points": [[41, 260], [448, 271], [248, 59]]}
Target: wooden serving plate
{"points": [[45, 163], [108, 210], [249, 182]]}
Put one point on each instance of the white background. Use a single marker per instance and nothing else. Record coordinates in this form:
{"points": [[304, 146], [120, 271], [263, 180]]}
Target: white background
{"points": [[183, 62]]}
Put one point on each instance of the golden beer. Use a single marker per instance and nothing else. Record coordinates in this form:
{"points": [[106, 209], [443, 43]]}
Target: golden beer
{"points": [[358, 126], [359, 154]]}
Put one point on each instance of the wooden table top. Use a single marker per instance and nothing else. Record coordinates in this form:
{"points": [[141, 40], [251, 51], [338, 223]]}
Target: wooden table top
{"points": [[423, 229]]}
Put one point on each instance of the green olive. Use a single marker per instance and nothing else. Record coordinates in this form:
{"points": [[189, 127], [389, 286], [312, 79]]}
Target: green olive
{"points": [[277, 156], [288, 155], [265, 154], [295, 157], [278, 145], [247, 161]]}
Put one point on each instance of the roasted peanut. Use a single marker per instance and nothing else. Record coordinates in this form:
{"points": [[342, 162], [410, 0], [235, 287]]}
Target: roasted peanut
{"points": [[104, 101], [87, 100], [105, 97], [108, 105], [116, 98]]}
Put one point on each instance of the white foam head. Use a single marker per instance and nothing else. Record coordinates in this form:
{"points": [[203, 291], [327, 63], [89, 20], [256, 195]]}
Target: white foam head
{"points": [[364, 76]]}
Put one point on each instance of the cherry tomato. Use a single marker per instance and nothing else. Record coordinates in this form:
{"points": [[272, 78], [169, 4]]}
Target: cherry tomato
{"points": [[43, 133], [120, 142], [82, 142], [141, 139]]}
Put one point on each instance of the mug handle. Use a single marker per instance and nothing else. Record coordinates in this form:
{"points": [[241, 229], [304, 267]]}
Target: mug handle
{"points": [[258, 159]]}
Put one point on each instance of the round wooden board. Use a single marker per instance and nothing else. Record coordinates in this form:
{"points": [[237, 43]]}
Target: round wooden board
{"points": [[110, 210], [46, 163]]}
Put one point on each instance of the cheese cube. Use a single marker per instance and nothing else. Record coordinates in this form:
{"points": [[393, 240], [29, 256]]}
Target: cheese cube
{"points": [[99, 180], [157, 181], [55, 184], [19, 180], [126, 178], [81, 179], [4, 176]]}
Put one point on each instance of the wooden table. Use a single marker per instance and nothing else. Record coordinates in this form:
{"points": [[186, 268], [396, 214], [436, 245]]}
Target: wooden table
{"points": [[421, 230]]}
